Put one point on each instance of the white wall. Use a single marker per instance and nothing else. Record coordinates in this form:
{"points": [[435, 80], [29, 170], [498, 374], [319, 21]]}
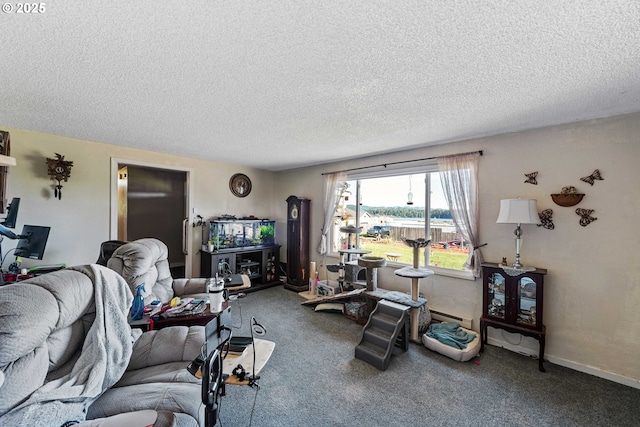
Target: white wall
{"points": [[81, 220], [592, 292]]}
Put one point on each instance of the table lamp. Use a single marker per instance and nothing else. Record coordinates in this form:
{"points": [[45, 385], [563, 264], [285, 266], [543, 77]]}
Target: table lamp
{"points": [[518, 211]]}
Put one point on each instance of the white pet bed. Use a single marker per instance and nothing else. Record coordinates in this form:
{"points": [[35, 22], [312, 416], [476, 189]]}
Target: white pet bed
{"points": [[461, 355]]}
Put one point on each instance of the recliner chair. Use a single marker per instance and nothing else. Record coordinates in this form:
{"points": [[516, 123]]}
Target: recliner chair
{"points": [[146, 261], [69, 355]]}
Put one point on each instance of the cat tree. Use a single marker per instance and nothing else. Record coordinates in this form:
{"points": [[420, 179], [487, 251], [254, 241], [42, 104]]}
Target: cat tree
{"points": [[415, 273]]}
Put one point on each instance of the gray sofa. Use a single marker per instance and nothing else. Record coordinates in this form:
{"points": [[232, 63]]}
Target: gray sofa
{"points": [[67, 355]]}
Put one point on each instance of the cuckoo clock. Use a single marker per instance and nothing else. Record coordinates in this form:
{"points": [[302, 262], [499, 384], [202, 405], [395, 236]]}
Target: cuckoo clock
{"points": [[59, 170]]}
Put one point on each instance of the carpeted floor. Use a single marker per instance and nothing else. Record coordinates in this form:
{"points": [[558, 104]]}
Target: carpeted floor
{"points": [[313, 379]]}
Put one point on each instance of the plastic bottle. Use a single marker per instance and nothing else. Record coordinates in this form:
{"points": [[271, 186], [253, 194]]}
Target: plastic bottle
{"points": [[137, 308]]}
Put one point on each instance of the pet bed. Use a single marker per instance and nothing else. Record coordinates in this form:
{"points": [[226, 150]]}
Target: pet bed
{"points": [[461, 355]]}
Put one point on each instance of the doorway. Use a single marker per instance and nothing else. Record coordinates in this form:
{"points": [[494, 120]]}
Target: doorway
{"points": [[153, 201]]}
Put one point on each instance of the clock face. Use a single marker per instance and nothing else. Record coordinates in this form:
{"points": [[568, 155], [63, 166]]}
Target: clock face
{"points": [[240, 185], [294, 212]]}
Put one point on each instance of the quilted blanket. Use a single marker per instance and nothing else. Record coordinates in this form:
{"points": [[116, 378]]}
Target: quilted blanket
{"points": [[41, 319]]}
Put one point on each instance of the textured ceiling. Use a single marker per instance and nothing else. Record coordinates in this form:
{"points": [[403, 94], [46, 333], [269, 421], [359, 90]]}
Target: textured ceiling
{"points": [[282, 84]]}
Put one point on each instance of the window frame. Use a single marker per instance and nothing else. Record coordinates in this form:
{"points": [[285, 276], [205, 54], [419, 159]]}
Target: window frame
{"points": [[423, 168]]}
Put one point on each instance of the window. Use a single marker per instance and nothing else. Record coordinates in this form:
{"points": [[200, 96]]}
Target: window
{"points": [[391, 205]]}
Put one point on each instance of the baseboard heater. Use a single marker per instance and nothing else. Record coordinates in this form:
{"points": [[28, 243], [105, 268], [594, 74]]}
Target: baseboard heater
{"points": [[442, 316]]}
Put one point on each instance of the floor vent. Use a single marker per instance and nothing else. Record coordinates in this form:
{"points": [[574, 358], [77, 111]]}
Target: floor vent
{"points": [[441, 316]]}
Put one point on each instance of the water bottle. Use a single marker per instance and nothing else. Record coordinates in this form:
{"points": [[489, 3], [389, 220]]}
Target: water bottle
{"points": [[137, 308]]}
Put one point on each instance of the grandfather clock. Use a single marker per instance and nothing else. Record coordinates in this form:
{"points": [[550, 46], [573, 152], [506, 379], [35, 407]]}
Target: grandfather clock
{"points": [[297, 244]]}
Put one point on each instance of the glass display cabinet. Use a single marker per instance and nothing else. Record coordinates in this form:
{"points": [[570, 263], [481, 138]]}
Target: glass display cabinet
{"points": [[513, 300]]}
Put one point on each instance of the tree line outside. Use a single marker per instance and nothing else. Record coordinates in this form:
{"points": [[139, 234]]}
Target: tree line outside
{"points": [[402, 211]]}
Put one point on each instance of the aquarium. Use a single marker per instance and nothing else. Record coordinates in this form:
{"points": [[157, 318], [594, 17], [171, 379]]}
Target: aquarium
{"points": [[239, 233]]}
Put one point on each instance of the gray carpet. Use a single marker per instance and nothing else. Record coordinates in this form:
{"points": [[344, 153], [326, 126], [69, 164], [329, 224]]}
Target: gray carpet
{"points": [[313, 379]]}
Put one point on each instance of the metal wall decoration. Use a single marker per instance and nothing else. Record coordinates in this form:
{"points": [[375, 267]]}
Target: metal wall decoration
{"points": [[59, 170], [585, 216], [531, 178], [545, 219], [593, 177], [568, 197]]}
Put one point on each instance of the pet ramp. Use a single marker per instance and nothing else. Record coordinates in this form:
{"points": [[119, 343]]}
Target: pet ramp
{"points": [[387, 327]]}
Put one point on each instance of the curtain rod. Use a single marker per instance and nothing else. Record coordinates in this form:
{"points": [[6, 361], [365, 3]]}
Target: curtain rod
{"points": [[399, 163]]}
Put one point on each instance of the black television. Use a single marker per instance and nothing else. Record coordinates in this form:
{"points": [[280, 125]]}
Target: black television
{"points": [[33, 240], [12, 213]]}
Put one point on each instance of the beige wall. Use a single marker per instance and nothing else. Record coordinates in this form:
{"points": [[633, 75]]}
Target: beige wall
{"points": [[81, 220], [592, 292]]}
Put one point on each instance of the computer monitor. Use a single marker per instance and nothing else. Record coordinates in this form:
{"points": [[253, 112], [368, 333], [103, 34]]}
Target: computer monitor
{"points": [[33, 240], [12, 213]]}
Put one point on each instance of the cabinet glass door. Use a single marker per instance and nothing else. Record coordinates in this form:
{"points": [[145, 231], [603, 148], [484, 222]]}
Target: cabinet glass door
{"points": [[224, 264], [497, 300], [527, 289]]}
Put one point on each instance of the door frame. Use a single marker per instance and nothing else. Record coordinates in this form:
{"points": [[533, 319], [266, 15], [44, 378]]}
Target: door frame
{"points": [[116, 163]]}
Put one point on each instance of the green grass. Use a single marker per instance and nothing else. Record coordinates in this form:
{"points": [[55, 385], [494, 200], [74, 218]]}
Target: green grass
{"points": [[440, 258], [453, 260]]}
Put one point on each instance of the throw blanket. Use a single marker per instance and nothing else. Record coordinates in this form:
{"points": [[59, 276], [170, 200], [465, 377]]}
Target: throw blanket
{"points": [[105, 352], [450, 334]]}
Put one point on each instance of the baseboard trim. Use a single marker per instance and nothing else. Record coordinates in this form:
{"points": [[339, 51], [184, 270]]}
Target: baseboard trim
{"points": [[597, 372]]}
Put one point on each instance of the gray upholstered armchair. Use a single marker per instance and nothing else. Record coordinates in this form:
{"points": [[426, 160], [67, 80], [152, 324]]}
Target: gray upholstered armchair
{"points": [[146, 261], [68, 355]]}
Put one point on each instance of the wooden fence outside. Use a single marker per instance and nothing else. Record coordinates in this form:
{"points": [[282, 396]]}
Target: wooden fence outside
{"points": [[437, 235]]}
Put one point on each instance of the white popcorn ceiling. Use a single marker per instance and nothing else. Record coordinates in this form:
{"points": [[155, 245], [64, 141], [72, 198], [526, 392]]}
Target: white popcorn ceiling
{"points": [[284, 84]]}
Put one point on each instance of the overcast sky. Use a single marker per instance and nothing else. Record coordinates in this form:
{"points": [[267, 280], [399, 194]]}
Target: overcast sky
{"points": [[392, 191]]}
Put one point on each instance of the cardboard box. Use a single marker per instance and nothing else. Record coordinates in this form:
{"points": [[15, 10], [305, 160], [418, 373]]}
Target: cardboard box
{"points": [[328, 287]]}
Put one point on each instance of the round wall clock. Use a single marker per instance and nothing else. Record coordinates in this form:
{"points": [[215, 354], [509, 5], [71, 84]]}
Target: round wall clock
{"points": [[240, 185]]}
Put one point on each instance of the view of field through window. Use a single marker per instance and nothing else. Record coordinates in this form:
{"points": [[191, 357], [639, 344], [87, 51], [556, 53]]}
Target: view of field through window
{"points": [[393, 208]]}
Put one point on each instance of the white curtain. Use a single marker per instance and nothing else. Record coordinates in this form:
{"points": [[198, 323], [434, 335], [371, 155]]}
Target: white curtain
{"points": [[334, 184], [459, 178]]}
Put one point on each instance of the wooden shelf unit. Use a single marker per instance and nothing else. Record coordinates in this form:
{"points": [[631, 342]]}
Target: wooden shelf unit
{"points": [[260, 263]]}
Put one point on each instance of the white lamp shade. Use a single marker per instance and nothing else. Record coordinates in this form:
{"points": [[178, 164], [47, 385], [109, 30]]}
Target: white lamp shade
{"points": [[518, 211]]}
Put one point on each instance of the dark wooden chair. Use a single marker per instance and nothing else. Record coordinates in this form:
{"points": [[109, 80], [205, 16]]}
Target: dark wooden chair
{"points": [[106, 250]]}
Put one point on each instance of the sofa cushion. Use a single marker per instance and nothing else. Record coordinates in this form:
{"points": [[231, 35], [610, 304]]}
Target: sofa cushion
{"points": [[176, 343], [175, 397]]}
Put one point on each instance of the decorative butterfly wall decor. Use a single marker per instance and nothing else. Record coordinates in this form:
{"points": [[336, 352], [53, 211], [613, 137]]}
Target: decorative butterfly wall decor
{"points": [[585, 216], [545, 219], [593, 177], [531, 178]]}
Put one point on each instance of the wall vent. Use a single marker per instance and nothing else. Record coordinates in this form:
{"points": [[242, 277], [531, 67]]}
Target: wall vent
{"points": [[442, 316]]}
